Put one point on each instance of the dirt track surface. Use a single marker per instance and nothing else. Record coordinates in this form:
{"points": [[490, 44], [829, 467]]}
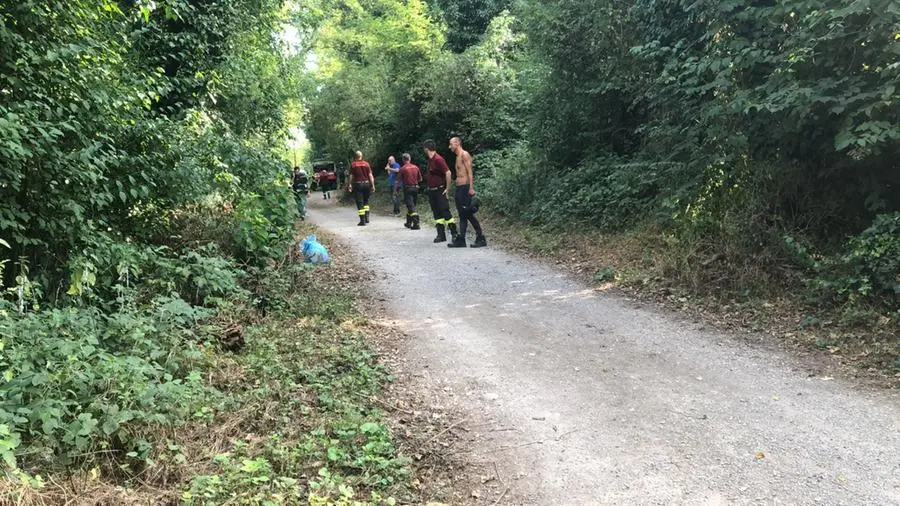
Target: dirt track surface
{"points": [[589, 399]]}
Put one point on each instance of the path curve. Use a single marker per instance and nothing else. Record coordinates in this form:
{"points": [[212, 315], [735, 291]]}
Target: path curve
{"points": [[614, 404]]}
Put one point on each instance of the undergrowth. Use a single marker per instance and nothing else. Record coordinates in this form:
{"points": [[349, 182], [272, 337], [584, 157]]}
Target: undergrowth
{"points": [[173, 374]]}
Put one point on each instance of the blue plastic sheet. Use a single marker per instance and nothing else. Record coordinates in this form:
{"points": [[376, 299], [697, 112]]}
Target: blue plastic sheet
{"points": [[313, 251]]}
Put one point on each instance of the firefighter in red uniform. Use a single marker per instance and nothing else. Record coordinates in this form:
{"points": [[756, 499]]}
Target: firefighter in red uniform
{"points": [[408, 179], [438, 180], [362, 184]]}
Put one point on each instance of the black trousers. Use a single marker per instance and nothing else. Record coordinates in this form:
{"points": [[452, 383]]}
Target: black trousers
{"points": [[466, 215], [440, 206], [361, 193], [411, 198]]}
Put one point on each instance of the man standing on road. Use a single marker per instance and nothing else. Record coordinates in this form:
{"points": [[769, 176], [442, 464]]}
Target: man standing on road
{"points": [[362, 184], [393, 168], [438, 182], [300, 186], [342, 174], [409, 178], [465, 190]]}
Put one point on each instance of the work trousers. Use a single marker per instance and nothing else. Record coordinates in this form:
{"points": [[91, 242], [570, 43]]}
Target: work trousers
{"points": [[361, 193], [466, 215]]}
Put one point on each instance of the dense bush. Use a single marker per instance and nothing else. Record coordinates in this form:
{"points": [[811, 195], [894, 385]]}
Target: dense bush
{"points": [[127, 132], [78, 382], [265, 223], [869, 267], [115, 114]]}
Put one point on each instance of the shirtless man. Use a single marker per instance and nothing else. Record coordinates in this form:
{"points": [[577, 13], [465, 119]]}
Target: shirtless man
{"points": [[465, 190]]}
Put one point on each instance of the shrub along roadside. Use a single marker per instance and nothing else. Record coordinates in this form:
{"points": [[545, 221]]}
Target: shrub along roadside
{"points": [[136, 400]]}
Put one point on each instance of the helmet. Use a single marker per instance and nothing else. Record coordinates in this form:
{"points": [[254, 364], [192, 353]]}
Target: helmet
{"points": [[474, 203]]}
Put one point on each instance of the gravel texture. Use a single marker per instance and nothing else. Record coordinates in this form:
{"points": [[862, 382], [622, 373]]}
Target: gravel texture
{"points": [[594, 400]]}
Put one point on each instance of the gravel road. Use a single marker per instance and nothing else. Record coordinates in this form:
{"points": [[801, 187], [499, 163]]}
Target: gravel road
{"points": [[609, 403]]}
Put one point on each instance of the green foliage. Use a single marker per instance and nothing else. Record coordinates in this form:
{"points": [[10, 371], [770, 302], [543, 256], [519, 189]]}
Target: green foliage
{"points": [[113, 114], [265, 223], [306, 386], [248, 480], [869, 269], [109, 270], [467, 20], [76, 381], [369, 56]]}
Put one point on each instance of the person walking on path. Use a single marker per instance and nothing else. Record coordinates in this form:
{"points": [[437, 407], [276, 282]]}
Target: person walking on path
{"points": [[465, 191], [408, 179], [362, 184], [438, 181], [393, 169], [300, 185]]}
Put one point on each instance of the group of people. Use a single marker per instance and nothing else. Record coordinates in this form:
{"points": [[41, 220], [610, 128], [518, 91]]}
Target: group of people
{"points": [[407, 177], [326, 180]]}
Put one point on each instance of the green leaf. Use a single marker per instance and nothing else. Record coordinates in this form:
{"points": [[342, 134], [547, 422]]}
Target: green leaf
{"points": [[842, 140]]}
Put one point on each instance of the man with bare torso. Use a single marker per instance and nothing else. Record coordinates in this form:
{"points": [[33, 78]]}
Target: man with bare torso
{"points": [[465, 191]]}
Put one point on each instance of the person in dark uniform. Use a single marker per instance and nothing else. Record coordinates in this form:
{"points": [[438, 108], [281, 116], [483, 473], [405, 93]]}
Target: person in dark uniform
{"points": [[408, 180], [300, 185], [342, 174], [362, 184], [438, 181]]}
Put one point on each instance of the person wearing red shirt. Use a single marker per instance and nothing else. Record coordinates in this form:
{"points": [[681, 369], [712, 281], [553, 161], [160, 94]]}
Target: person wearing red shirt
{"points": [[362, 184], [408, 179], [438, 180]]}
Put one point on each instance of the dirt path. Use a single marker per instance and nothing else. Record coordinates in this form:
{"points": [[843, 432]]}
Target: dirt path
{"points": [[600, 402]]}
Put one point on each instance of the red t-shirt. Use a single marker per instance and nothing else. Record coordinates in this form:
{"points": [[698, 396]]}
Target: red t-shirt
{"points": [[410, 174], [360, 171], [437, 168]]}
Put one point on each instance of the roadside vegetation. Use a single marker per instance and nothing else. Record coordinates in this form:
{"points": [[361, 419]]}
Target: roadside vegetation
{"points": [[160, 341]]}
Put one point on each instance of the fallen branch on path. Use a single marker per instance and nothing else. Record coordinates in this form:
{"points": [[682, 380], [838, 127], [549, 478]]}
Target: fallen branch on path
{"points": [[495, 503], [445, 430]]}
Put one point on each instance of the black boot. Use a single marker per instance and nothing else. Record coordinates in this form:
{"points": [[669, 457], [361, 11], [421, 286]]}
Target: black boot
{"points": [[454, 232], [362, 221], [441, 235], [480, 242], [415, 222], [367, 216], [409, 220], [458, 242]]}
